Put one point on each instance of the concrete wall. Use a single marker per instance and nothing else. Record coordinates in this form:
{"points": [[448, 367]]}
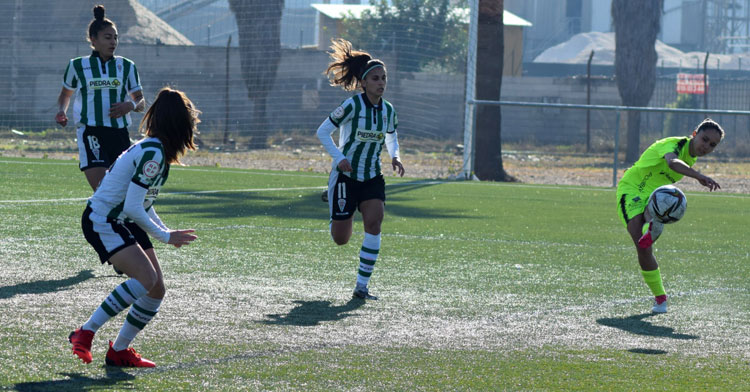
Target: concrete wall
{"points": [[555, 126], [428, 104]]}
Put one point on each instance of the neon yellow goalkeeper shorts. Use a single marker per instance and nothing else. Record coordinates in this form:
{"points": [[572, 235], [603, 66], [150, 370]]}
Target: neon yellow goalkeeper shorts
{"points": [[630, 203]]}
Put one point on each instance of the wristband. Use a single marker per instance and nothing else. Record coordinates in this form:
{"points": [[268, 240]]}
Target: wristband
{"points": [[134, 105]]}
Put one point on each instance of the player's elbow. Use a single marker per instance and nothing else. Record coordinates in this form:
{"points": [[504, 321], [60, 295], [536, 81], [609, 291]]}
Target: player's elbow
{"points": [[673, 163]]}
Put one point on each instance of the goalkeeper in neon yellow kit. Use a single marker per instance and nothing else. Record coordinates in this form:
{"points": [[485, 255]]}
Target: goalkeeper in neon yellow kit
{"points": [[664, 162]]}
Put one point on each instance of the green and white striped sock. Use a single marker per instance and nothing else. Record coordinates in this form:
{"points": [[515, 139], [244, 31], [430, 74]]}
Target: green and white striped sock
{"points": [[142, 311], [368, 255], [117, 301]]}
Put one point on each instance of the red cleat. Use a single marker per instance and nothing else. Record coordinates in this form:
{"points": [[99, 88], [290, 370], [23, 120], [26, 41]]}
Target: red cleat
{"points": [[81, 339], [126, 358]]}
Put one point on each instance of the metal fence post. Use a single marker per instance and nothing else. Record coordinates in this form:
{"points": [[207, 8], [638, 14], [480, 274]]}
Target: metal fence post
{"points": [[617, 149]]}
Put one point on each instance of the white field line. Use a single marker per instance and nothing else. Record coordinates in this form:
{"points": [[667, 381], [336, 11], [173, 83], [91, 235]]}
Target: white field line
{"points": [[245, 171], [187, 168], [52, 201], [249, 190], [36, 163], [301, 188]]}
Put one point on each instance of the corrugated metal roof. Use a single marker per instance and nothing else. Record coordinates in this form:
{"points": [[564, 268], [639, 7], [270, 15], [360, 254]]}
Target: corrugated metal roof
{"points": [[339, 11], [511, 19]]}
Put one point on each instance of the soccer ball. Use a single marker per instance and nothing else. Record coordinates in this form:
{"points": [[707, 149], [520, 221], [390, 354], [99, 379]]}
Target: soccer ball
{"points": [[667, 204]]}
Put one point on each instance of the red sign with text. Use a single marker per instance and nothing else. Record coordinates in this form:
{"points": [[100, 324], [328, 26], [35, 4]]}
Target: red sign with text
{"points": [[691, 84]]}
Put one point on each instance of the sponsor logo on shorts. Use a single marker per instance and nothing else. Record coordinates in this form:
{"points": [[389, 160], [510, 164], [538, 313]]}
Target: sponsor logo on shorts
{"points": [[94, 147]]}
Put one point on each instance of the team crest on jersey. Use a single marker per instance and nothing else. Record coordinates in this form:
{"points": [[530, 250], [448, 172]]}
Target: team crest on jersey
{"points": [[150, 169], [102, 83], [364, 135], [338, 113]]}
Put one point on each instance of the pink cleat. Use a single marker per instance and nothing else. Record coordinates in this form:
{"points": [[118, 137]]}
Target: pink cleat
{"points": [[652, 231]]}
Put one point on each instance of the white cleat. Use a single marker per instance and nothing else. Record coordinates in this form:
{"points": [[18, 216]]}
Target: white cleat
{"points": [[659, 308]]}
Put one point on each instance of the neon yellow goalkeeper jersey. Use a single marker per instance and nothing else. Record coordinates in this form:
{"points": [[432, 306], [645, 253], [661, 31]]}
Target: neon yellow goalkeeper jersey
{"points": [[652, 171]]}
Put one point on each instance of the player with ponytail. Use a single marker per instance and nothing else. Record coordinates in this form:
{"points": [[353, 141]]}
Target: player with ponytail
{"points": [[365, 122], [127, 194], [663, 163], [107, 89]]}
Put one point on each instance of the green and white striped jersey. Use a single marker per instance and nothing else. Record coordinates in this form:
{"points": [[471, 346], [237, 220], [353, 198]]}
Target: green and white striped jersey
{"points": [[362, 130], [99, 85], [143, 165]]}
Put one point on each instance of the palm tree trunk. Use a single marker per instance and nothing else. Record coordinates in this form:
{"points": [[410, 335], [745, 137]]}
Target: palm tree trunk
{"points": [[637, 23], [489, 77], [259, 25]]}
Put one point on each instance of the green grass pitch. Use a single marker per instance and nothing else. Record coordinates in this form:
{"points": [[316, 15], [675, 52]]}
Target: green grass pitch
{"points": [[483, 286]]}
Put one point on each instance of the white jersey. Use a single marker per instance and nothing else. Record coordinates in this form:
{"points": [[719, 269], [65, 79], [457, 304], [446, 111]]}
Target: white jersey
{"points": [[99, 86], [362, 130], [143, 165]]}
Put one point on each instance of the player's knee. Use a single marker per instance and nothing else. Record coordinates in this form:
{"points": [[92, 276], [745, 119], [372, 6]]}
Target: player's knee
{"points": [[341, 239], [372, 227], [148, 279], [158, 290]]}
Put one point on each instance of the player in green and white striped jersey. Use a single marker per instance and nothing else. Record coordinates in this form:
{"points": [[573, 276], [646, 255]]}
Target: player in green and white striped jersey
{"points": [[118, 216], [365, 121], [108, 89]]}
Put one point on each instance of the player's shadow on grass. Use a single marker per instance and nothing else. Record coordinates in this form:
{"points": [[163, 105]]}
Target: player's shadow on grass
{"points": [[303, 204], [312, 313], [647, 351], [636, 325], [44, 286], [116, 377]]}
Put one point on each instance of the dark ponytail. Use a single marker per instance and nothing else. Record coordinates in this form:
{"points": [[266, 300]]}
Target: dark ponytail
{"points": [[99, 22], [172, 119], [348, 65]]}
